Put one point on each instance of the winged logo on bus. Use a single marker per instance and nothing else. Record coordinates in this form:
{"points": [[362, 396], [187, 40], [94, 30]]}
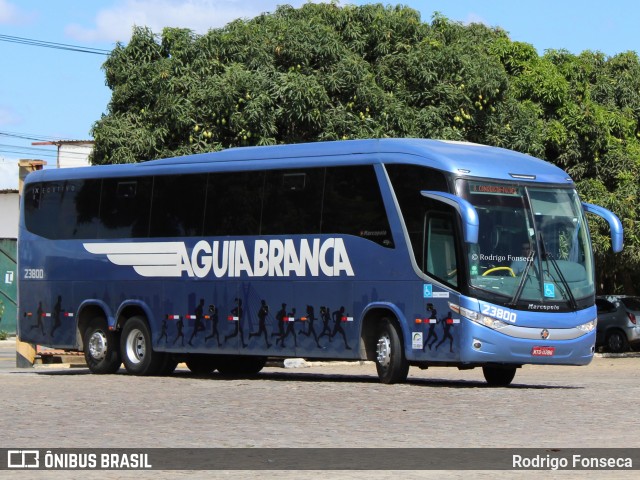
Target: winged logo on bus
{"points": [[149, 259], [231, 258]]}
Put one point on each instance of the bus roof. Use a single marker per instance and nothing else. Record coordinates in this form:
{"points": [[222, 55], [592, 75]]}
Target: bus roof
{"points": [[460, 158]]}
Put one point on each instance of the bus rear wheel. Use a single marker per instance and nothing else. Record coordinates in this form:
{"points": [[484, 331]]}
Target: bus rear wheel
{"points": [[498, 376], [202, 364], [137, 351], [240, 365], [391, 364], [101, 347]]}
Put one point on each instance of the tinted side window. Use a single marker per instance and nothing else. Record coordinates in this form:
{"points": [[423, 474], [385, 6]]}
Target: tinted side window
{"points": [[82, 212], [604, 306], [178, 205], [292, 201], [124, 207], [407, 182], [31, 208], [632, 303], [353, 204], [63, 210], [234, 203]]}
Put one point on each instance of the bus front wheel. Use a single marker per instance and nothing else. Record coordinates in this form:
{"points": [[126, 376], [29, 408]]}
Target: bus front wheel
{"points": [[391, 364], [136, 349], [498, 376], [101, 347]]}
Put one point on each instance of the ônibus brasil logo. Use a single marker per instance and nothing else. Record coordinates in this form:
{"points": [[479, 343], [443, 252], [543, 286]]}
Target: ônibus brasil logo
{"points": [[229, 258]]}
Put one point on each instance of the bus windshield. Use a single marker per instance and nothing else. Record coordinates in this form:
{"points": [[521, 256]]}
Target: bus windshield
{"points": [[533, 245]]}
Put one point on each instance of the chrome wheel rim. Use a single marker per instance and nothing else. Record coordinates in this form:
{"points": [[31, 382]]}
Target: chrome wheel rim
{"points": [[136, 346], [98, 345], [383, 350]]}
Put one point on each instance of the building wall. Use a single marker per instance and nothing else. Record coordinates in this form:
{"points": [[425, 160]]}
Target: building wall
{"points": [[8, 286], [74, 155], [8, 175], [9, 214]]}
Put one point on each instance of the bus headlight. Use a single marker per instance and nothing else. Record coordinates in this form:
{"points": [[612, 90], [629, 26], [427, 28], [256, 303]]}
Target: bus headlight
{"points": [[589, 326], [481, 319]]}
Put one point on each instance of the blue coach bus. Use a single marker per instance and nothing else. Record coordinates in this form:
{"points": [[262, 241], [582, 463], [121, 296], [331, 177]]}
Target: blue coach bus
{"points": [[406, 252]]}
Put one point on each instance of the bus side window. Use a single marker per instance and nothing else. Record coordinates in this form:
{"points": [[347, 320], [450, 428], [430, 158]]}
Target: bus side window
{"points": [[178, 204], [442, 261], [63, 210], [353, 205], [36, 214], [124, 207], [292, 202], [234, 203], [80, 211]]}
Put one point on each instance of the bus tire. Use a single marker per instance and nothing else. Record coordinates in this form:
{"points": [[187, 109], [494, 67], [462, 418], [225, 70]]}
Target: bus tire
{"points": [[136, 349], [241, 366], [101, 349], [201, 364], [391, 364], [498, 376]]}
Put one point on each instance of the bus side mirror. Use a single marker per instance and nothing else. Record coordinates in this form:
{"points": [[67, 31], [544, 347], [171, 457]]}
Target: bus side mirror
{"points": [[468, 213], [617, 234]]}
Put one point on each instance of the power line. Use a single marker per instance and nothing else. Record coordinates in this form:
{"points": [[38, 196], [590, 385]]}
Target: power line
{"points": [[30, 136], [20, 136], [44, 153], [9, 145], [42, 150], [59, 46]]}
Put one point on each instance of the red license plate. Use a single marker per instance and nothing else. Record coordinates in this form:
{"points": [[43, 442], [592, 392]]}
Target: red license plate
{"points": [[543, 351]]}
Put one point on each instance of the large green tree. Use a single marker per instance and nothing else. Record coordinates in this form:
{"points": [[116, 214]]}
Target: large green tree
{"points": [[324, 72]]}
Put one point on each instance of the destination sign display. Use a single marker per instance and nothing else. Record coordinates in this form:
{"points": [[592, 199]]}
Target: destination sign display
{"points": [[481, 188]]}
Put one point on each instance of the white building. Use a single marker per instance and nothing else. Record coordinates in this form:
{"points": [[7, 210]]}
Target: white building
{"points": [[71, 153], [9, 199]]}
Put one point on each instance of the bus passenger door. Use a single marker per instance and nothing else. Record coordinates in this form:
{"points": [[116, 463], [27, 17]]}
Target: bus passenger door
{"points": [[442, 264]]}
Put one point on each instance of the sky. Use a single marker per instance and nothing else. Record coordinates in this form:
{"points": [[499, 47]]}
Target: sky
{"points": [[49, 94]]}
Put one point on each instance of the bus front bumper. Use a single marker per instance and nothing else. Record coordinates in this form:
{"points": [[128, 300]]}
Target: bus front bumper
{"points": [[481, 345]]}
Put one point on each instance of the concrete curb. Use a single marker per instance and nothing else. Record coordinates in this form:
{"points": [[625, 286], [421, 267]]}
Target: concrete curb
{"points": [[302, 363]]}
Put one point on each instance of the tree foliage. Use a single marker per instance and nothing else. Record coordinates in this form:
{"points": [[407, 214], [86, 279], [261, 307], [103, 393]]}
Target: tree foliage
{"points": [[324, 72]]}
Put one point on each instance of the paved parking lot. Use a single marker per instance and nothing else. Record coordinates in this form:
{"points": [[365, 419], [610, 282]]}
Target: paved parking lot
{"points": [[322, 406]]}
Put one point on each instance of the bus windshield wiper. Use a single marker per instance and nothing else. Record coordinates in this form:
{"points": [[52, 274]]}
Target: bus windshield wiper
{"points": [[523, 280], [568, 294]]}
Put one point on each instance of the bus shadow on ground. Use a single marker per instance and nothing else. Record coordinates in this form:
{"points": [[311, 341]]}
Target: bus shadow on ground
{"points": [[369, 379], [182, 375]]}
